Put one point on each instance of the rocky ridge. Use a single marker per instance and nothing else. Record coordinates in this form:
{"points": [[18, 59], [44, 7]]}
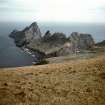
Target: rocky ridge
{"points": [[56, 44]]}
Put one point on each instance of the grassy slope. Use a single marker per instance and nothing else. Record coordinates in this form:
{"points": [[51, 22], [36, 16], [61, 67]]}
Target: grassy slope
{"points": [[80, 82]]}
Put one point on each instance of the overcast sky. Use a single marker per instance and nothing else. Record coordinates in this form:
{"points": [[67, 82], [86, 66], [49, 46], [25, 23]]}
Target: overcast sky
{"points": [[53, 10]]}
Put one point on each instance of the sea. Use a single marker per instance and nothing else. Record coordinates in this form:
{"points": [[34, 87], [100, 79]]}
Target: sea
{"points": [[12, 56]]}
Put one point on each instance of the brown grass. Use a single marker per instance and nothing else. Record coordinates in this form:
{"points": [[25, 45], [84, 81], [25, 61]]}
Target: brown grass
{"points": [[80, 82]]}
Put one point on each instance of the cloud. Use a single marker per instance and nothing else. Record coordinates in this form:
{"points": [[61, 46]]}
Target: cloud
{"points": [[54, 10], [17, 5], [13, 10]]}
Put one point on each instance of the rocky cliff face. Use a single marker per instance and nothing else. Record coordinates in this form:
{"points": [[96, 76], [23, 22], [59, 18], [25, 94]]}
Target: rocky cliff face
{"points": [[76, 43], [27, 35], [50, 42], [81, 40], [56, 44], [32, 32], [47, 36]]}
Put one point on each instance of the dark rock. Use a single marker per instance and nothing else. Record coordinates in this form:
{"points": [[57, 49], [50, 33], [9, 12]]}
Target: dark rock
{"points": [[58, 38], [19, 38], [100, 43], [12, 35]]}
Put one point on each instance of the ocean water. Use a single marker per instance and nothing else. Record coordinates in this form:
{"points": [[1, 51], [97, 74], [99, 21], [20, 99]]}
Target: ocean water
{"points": [[11, 56], [97, 30]]}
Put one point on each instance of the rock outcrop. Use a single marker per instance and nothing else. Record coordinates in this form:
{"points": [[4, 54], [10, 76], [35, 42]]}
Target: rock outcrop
{"points": [[50, 42], [47, 36], [76, 43], [56, 44], [81, 40], [27, 35], [66, 49]]}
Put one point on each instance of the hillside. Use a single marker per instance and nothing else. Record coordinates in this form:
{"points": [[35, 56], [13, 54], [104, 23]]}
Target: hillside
{"points": [[80, 82]]}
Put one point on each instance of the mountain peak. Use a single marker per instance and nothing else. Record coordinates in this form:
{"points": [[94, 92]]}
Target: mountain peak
{"points": [[27, 35], [34, 24]]}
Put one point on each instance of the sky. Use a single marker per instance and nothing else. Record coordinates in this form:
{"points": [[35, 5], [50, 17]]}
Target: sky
{"points": [[53, 10]]}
